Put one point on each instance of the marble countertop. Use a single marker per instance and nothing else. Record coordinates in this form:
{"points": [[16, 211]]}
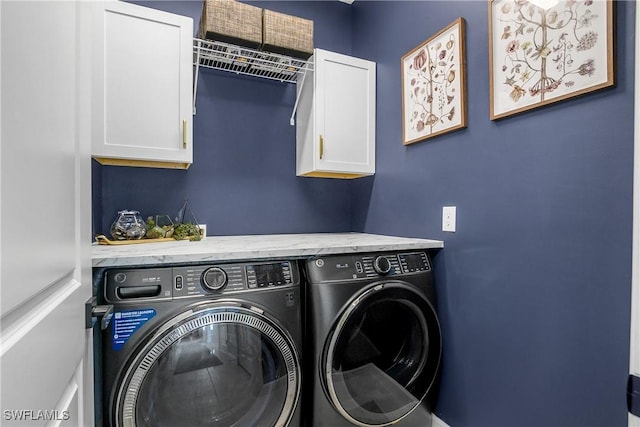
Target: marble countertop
{"points": [[268, 246]]}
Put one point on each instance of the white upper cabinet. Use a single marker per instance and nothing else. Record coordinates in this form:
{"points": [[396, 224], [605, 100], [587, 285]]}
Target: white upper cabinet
{"points": [[335, 135], [142, 65]]}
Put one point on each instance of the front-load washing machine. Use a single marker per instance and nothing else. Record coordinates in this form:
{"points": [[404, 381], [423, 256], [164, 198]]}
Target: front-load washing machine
{"points": [[374, 342], [202, 345]]}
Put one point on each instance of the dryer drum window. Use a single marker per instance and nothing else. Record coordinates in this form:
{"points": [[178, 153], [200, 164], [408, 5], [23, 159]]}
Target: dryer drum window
{"points": [[223, 366], [382, 356]]}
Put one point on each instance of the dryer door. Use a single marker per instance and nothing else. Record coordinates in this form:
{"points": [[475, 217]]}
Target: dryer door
{"points": [[216, 365], [382, 354]]}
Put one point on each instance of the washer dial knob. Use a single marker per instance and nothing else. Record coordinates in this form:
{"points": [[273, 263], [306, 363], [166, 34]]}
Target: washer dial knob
{"points": [[214, 278], [382, 265]]}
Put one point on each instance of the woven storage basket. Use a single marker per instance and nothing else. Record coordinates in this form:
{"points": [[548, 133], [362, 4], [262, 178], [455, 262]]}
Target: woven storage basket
{"points": [[230, 21], [286, 34]]}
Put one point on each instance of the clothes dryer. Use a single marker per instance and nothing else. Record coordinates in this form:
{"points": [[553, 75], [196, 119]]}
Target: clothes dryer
{"points": [[374, 342], [202, 345]]}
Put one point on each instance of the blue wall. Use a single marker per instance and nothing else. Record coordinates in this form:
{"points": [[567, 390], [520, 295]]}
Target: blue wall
{"points": [[533, 287], [243, 178]]}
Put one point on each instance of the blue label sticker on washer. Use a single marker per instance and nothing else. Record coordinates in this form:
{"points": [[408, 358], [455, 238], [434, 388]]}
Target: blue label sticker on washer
{"points": [[125, 323]]}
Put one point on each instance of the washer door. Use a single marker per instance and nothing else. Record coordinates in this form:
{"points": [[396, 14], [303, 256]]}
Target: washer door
{"points": [[382, 355], [219, 364]]}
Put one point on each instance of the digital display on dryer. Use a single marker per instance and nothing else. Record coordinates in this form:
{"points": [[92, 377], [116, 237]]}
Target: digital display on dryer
{"points": [[263, 275], [414, 262]]}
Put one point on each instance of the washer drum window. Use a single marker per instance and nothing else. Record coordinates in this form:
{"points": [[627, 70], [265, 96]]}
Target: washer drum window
{"points": [[220, 364], [382, 355]]}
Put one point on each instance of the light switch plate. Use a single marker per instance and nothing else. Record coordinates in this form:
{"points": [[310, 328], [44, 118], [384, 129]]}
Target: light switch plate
{"points": [[449, 218]]}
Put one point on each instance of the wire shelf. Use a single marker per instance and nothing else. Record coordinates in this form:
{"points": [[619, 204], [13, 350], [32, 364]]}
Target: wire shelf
{"points": [[242, 60]]}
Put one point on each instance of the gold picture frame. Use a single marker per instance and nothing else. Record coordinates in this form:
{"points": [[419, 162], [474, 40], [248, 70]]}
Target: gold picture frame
{"points": [[545, 51], [434, 85]]}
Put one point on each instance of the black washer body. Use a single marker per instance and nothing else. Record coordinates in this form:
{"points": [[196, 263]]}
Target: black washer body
{"points": [[373, 342], [185, 351]]}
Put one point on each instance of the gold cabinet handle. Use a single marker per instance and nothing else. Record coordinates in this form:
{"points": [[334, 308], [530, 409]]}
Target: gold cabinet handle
{"points": [[321, 147], [184, 134]]}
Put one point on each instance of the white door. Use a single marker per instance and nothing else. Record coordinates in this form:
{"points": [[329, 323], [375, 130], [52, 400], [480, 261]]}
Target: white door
{"points": [[45, 211], [634, 359]]}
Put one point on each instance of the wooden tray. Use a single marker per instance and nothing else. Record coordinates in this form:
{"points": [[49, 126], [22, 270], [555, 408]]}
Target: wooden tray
{"points": [[103, 240]]}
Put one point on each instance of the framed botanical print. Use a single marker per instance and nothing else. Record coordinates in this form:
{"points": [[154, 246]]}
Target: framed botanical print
{"points": [[434, 85], [544, 51]]}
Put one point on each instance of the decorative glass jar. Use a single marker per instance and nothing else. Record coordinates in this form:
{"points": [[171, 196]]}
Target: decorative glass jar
{"points": [[129, 225]]}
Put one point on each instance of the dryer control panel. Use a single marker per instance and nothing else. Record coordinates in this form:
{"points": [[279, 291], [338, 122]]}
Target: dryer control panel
{"points": [[366, 266], [166, 283]]}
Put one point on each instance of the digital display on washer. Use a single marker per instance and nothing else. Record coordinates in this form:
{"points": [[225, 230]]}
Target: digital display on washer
{"points": [[263, 275], [414, 262]]}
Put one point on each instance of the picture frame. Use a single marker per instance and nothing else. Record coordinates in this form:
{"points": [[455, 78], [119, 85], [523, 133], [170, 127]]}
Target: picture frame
{"points": [[434, 85], [545, 51]]}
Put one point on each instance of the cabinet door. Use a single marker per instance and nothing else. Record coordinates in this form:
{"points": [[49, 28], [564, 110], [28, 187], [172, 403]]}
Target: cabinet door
{"points": [[345, 89], [142, 91]]}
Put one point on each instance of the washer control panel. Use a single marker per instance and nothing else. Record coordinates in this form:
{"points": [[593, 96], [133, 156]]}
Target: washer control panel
{"points": [[166, 283], [195, 280], [367, 266]]}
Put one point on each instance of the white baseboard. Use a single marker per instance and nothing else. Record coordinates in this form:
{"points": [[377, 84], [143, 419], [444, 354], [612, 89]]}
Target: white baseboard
{"points": [[437, 422]]}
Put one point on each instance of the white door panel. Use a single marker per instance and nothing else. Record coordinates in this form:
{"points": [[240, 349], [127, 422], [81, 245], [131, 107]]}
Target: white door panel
{"points": [[38, 144], [343, 122], [70, 411], [44, 354], [45, 211]]}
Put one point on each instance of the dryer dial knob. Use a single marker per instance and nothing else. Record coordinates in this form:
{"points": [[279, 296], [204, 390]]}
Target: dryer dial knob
{"points": [[382, 265], [214, 278]]}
